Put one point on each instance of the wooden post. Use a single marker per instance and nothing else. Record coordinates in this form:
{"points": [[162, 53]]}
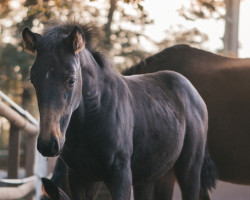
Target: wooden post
{"points": [[30, 154], [30, 159], [18, 124], [230, 38], [14, 151]]}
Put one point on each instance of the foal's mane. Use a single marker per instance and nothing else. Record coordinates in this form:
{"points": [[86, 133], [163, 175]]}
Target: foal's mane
{"points": [[56, 32]]}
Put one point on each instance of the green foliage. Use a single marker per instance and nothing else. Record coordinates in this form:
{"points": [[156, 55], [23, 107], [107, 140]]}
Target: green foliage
{"points": [[15, 64]]}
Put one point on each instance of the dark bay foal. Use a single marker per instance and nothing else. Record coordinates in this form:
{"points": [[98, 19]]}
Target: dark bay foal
{"points": [[111, 128]]}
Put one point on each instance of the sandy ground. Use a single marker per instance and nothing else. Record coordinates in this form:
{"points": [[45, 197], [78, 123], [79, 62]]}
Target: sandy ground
{"points": [[224, 191]]}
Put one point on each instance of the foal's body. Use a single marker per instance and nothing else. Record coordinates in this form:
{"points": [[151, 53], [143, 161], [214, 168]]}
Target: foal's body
{"points": [[149, 138], [120, 130]]}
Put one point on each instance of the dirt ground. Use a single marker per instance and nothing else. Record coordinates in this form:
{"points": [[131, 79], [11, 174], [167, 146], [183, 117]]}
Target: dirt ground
{"points": [[224, 191]]}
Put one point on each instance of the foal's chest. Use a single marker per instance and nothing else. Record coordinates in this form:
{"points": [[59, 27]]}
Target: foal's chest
{"points": [[86, 162]]}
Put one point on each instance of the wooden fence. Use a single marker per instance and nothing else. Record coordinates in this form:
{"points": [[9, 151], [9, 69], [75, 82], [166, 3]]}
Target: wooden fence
{"points": [[19, 124]]}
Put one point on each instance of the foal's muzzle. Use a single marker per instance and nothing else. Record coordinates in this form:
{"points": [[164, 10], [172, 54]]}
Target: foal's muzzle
{"points": [[48, 148]]}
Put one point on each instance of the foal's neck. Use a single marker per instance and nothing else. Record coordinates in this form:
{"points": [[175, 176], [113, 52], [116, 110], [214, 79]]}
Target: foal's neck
{"points": [[98, 78]]}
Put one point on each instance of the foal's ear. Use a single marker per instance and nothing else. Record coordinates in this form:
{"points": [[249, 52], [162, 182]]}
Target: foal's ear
{"points": [[30, 39], [76, 40], [50, 189]]}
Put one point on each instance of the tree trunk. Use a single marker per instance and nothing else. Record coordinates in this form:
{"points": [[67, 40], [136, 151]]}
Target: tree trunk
{"points": [[107, 27], [230, 38]]}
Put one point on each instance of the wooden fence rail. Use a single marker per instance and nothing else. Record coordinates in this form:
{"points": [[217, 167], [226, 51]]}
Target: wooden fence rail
{"points": [[28, 185], [19, 124], [10, 193]]}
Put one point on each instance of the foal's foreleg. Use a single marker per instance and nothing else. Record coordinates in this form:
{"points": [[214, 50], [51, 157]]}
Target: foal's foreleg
{"points": [[161, 189], [164, 187], [80, 190], [119, 181], [144, 191]]}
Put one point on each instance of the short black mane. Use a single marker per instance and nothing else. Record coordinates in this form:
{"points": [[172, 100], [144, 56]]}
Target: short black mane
{"points": [[57, 31]]}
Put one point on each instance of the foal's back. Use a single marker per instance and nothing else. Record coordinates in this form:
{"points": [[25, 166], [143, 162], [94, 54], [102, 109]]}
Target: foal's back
{"points": [[165, 106]]}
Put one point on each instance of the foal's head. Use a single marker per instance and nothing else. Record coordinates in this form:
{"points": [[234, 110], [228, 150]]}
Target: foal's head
{"points": [[56, 76]]}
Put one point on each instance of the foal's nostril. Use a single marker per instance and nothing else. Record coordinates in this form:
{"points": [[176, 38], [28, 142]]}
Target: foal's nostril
{"points": [[54, 146]]}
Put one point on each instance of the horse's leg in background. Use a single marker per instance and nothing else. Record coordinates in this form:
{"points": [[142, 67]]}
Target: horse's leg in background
{"points": [[80, 190], [144, 191], [164, 187]]}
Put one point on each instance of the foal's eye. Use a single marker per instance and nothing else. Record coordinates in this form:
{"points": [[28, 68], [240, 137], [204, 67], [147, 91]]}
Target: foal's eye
{"points": [[71, 82]]}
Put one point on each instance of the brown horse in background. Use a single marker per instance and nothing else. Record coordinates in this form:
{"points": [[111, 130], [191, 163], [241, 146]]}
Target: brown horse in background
{"points": [[224, 84]]}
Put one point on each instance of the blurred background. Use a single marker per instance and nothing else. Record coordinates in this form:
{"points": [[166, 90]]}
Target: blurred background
{"points": [[132, 30]]}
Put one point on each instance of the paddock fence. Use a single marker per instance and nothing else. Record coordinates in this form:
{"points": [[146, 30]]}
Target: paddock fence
{"points": [[21, 122]]}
